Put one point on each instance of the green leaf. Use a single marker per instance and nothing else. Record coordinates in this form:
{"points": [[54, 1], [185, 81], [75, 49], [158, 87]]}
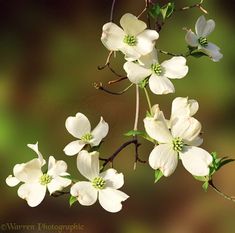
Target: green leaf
{"points": [[155, 11], [158, 175], [201, 178], [198, 53], [143, 83], [72, 200], [167, 10], [134, 133], [205, 186], [224, 162]]}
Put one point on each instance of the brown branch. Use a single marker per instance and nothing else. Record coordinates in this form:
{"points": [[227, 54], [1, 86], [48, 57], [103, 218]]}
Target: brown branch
{"points": [[117, 80], [59, 193], [112, 10], [111, 158]]}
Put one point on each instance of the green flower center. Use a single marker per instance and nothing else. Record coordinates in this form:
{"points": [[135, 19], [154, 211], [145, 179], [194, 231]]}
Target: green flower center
{"points": [[98, 183], [178, 144], [203, 41], [45, 179], [86, 137], [157, 69], [130, 40]]}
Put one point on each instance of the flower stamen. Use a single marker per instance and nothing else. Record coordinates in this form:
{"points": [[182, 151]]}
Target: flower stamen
{"points": [[177, 144], [203, 41], [98, 183], [157, 69], [130, 40], [87, 137], [45, 179]]}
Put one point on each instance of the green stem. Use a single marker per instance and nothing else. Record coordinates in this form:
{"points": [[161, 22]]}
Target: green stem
{"points": [[148, 100]]}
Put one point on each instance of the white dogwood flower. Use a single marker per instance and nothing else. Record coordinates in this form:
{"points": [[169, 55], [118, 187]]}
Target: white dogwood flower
{"points": [[133, 39], [199, 39], [178, 141], [35, 182], [80, 127], [159, 83], [102, 186]]}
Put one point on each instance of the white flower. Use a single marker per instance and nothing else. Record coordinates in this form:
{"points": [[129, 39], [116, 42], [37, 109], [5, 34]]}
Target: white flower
{"points": [[80, 127], [203, 28], [103, 186], [174, 68], [35, 182], [179, 141], [134, 40]]}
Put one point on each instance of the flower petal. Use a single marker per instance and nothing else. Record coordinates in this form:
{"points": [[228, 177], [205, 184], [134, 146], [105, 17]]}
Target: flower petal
{"points": [[130, 52], [196, 141], [160, 85], [99, 132], [175, 67], [164, 158], [187, 128], [132, 25], [112, 36], [110, 199], [112, 178], [156, 127], [88, 164], [74, 147], [135, 72], [191, 39], [28, 172], [204, 28], [78, 126], [146, 41], [213, 51], [58, 184], [33, 193], [56, 168], [34, 147], [196, 160], [149, 59], [12, 181], [85, 193]]}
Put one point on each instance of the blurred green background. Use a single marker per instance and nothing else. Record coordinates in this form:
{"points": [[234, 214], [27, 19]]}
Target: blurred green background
{"points": [[50, 50]]}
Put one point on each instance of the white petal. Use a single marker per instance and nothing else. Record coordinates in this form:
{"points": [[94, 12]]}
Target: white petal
{"points": [[195, 142], [193, 106], [191, 39], [58, 184], [88, 164], [78, 126], [85, 193], [131, 54], [112, 178], [99, 132], [132, 25], [196, 160], [160, 85], [164, 158], [34, 147], [56, 168], [12, 181], [112, 36], [146, 41], [157, 129], [28, 172], [186, 128], [204, 28], [213, 51], [33, 193], [110, 199], [74, 147], [175, 67], [135, 72], [149, 59]]}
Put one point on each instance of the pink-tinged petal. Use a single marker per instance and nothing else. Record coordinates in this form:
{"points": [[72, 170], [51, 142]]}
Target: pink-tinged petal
{"points": [[132, 25], [84, 191], [135, 72], [191, 39], [164, 158], [213, 51], [33, 193], [112, 178], [160, 85], [204, 28], [88, 164], [78, 126], [99, 132], [74, 147], [111, 199], [112, 36], [196, 160]]}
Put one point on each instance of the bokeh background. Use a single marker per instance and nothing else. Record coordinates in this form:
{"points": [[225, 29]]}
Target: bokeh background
{"points": [[50, 51]]}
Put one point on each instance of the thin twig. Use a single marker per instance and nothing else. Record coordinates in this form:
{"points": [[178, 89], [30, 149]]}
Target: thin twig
{"points": [[59, 193], [198, 5], [99, 86], [117, 80], [137, 108], [221, 193], [168, 53], [107, 61], [112, 10], [147, 2]]}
